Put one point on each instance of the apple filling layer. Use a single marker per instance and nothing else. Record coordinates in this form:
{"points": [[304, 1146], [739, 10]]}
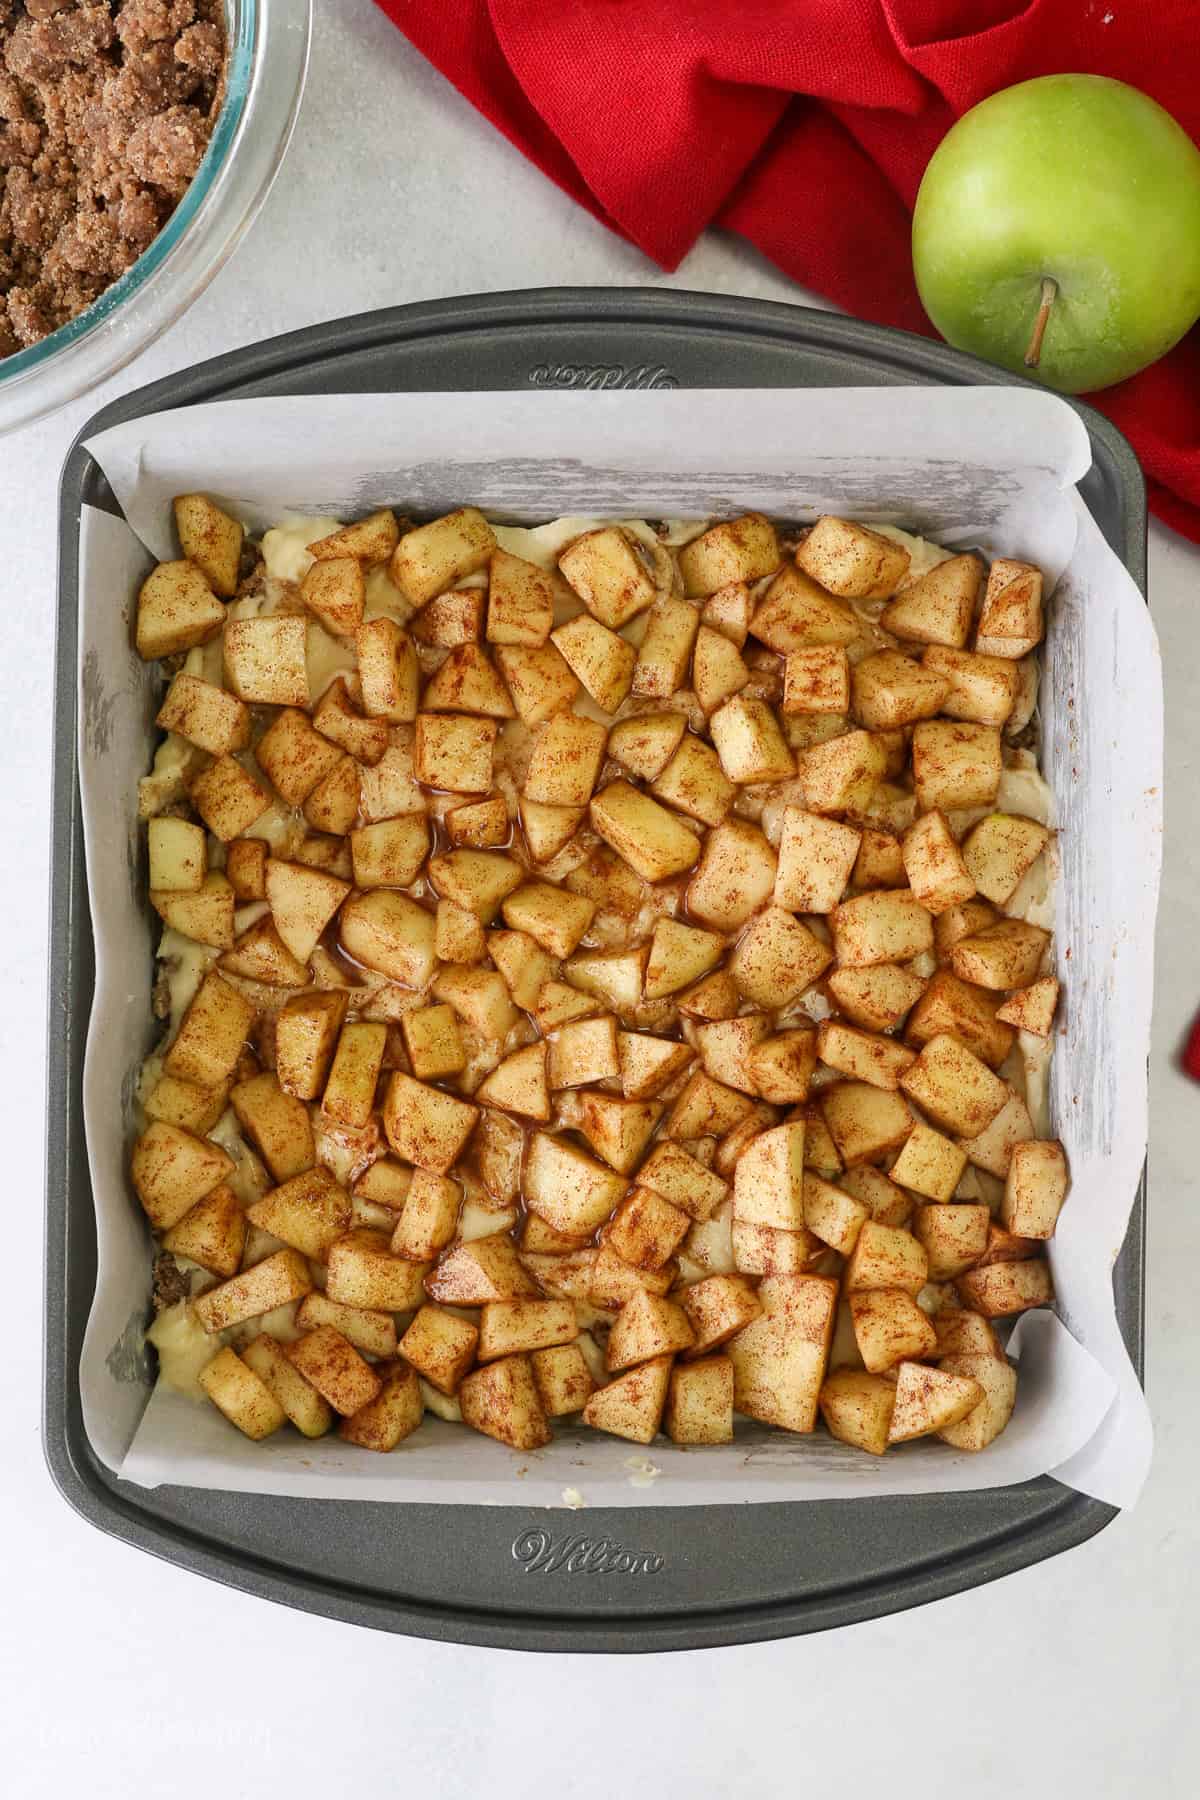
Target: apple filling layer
{"points": [[606, 975]]}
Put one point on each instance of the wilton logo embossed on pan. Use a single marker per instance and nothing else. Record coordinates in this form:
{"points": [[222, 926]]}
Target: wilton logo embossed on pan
{"points": [[541, 1555], [600, 375]]}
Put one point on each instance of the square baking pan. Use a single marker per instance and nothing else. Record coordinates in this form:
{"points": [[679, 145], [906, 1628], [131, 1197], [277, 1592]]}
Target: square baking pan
{"points": [[528, 1578]]}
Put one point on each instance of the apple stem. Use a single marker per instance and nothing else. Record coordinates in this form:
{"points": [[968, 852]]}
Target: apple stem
{"points": [[1049, 295]]}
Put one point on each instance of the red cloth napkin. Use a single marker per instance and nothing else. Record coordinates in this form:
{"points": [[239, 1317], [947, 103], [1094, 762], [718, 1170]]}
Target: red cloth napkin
{"points": [[805, 126]]}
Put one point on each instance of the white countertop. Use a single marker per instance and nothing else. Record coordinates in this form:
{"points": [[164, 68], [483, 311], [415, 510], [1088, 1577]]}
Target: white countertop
{"points": [[1071, 1678]]}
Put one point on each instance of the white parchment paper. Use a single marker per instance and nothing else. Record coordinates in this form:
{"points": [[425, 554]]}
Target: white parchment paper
{"points": [[993, 469]]}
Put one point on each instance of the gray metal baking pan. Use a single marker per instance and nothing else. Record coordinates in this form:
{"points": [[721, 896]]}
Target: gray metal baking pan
{"points": [[507, 1576]]}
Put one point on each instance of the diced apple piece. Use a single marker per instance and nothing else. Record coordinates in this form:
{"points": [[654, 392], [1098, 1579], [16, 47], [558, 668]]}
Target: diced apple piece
{"points": [[501, 1400], [371, 539], [610, 571], [934, 864], [265, 660], [362, 1271], [480, 997], [885, 1256], [863, 1055], [176, 610], [476, 879], [334, 591], [276, 1281], [961, 1010], [205, 715], [246, 868], [433, 1041], [672, 1173], [929, 1400], [718, 668], [706, 1108], [196, 1109], [891, 690], [433, 557], [452, 618], [1000, 851], [520, 601], [857, 1409], [652, 841], [842, 774], [261, 955], [454, 751], [779, 1069], [1033, 1008], [302, 903], [646, 1230], [983, 689], [816, 856], [744, 549], [510, 1326], [567, 1188], [1035, 1190], [349, 1096], [565, 762], [992, 1148], [929, 1164], [679, 955], [631, 1406], [583, 1051], [228, 798], [458, 935], [939, 606], [389, 672], [798, 613], [769, 1179], [547, 828], [308, 1411], [984, 1423], [212, 1034], [518, 1084], [954, 1237], [851, 560], [467, 683], [178, 855], [876, 997], [390, 852], [958, 1091], [817, 680], [539, 681], [736, 873], [428, 1217], [890, 1328], [832, 1214], [888, 1204], [172, 1169], [887, 926], [372, 1332], [960, 922], [440, 1346], [728, 612], [338, 720], [562, 1378], [647, 1065], [880, 863], [749, 742], [1000, 1289], [393, 1415], [699, 1407], [309, 1212], [334, 803], [389, 789], [666, 648], [390, 933], [1011, 622], [617, 1130], [425, 1126], [276, 1123], [776, 958], [1005, 955], [334, 1367], [211, 539], [695, 782], [554, 918], [779, 1359], [241, 1395], [956, 765]]}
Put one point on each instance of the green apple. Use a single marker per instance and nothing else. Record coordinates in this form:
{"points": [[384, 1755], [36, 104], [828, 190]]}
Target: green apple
{"points": [[1057, 230]]}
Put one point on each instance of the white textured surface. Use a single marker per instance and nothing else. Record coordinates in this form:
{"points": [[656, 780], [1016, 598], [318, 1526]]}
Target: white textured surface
{"points": [[1073, 1678]]}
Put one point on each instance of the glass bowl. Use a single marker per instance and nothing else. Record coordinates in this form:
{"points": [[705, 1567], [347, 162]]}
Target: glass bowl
{"points": [[268, 42]]}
